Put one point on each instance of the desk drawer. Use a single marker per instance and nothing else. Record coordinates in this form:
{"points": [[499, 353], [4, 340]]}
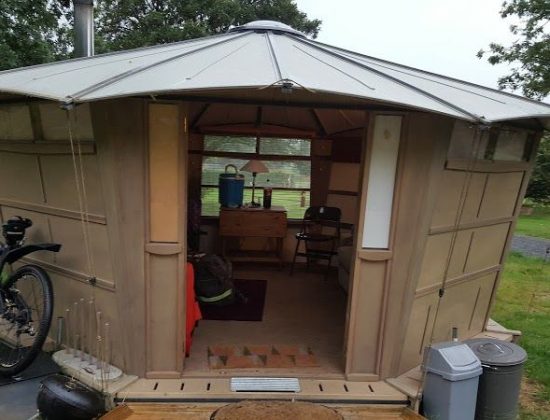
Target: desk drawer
{"points": [[250, 223]]}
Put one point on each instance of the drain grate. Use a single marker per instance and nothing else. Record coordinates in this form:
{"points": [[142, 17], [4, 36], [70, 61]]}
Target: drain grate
{"points": [[265, 385]]}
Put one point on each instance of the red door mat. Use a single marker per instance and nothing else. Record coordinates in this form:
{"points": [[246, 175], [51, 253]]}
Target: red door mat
{"points": [[260, 356]]}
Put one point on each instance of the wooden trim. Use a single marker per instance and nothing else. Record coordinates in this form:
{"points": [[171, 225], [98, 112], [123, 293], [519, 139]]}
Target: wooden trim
{"points": [[457, 280], [73, 274], [349, 333], [52, 211], [27, 147], [240, 155], [163, 248], [342, 192], [362, 377], [251, 129], [374, 255], [471, 225], [163, 374], [487, 165]]}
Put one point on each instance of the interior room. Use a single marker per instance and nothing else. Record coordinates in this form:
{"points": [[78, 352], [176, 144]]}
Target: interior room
{"points": [[294, 316]]}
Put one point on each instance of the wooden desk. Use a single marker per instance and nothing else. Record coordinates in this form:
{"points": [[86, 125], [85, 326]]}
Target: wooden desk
{"points": [[254, 223]]}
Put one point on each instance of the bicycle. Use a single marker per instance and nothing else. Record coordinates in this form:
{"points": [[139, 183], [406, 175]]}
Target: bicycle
{"points": [[26, 300]]}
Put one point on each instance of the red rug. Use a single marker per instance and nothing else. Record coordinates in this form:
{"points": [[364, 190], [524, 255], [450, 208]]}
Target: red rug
{"points": [[260, 356]]}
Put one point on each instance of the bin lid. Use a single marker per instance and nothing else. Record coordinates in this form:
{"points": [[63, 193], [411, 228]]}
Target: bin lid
{"points": [[453, 361], [496, 352]]}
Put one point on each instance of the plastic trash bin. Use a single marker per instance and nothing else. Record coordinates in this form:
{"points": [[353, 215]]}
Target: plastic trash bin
{"points": [[452, 375], [499, 385]]}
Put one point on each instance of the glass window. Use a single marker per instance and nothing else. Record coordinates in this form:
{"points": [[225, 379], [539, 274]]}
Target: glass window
{"points": [[290, 178]]}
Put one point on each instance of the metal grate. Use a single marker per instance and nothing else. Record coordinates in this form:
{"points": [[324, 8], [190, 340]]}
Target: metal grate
{"points": [[265, 385]]}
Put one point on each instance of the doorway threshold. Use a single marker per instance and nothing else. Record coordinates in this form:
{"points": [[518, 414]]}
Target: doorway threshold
{"points": [[218, 390]]}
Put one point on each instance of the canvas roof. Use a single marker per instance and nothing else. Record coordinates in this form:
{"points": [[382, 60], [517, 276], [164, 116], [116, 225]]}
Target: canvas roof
{"points": [[264, 55]]}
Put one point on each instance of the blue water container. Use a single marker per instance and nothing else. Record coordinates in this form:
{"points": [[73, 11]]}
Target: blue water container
{"points": [[231, 188]]}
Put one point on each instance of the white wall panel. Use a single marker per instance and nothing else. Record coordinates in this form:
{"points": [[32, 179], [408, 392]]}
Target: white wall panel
{"points": [[381, 182]]}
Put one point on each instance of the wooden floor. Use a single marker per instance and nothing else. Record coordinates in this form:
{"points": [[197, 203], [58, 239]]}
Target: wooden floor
{"points": [[300, 310], [204, 411]]}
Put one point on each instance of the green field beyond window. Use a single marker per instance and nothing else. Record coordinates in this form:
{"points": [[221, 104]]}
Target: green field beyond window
{"points": [[288, 161]]}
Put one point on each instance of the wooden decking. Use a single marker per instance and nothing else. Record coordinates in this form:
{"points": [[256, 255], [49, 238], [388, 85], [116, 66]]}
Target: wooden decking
{"points": [[204, 411], [191, 390]]}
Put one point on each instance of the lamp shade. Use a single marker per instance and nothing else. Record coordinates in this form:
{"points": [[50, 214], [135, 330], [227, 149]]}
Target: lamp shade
{"points": [[255, 166]]}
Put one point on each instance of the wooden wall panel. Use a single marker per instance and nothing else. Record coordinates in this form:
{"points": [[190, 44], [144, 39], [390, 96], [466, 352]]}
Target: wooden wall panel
{"points": [[55, 125], [501, 195], [164, 193], [419, 330], [20, 175], [120, 130], [60, 184], [368, 296], [72, 256], [163, 296], [15, 122], [487, 247], [464, 306], [347, 203], [344, 176]]}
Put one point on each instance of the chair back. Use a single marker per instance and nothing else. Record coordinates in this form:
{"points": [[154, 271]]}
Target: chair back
{"points": [[323, 214], [317, 217]]}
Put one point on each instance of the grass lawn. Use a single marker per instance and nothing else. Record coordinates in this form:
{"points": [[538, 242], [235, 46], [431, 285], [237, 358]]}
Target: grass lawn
{"points": [[523, 303], [538, 224]]}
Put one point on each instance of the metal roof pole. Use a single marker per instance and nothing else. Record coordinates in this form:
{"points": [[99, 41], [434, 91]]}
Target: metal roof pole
{"points": [[83, 28]]}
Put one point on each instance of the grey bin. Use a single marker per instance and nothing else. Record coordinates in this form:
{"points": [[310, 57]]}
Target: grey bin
{"points": [[452, 374], [500, 383]]}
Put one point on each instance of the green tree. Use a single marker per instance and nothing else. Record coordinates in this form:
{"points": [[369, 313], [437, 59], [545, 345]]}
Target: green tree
{"points": [[125, 24], [39, 31], [31, 32], [530, 53], [539, 184]]}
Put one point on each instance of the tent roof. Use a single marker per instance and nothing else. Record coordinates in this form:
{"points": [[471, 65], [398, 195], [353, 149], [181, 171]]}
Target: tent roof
{"points": [[261, 55]]}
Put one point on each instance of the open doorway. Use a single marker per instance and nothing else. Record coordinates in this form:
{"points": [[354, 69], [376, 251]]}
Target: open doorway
{"points": [[302, 317]]}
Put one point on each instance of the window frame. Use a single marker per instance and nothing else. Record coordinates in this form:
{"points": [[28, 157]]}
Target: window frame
{"points": [[259, 156]]}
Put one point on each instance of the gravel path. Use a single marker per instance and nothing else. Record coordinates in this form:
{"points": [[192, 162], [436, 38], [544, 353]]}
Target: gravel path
{"points": [[531, 247]]}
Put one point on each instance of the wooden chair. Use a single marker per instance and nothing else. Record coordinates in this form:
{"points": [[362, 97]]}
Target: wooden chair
{"points": [[319, 245]]}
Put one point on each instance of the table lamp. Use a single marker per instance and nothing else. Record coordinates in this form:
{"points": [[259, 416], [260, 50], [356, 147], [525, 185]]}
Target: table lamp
{"points": [[255, 167]]}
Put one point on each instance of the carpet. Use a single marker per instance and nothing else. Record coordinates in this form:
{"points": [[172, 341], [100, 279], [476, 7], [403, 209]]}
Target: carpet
{"points": [[248, 308], [43, 365], [260, 356]]}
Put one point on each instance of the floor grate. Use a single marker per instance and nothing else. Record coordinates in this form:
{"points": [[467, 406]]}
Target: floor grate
{"points": [[265, 385]]}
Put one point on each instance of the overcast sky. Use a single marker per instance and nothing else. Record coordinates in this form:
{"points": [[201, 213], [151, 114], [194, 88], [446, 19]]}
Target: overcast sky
{"points": [[441, 36]]}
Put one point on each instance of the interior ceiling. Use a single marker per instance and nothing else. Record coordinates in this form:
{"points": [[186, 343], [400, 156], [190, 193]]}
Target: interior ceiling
{"points": [[310, 122]]}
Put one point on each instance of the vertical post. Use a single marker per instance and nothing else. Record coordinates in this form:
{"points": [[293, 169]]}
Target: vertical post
{"points": [[83, 28]]}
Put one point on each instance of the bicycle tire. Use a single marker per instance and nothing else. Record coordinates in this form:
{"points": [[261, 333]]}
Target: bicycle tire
{"points": [[43, 324]]}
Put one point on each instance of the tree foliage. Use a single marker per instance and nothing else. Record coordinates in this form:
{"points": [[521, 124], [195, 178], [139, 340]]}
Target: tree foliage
{"points": [[539, 184], [39, 31], [31, 32], [124, 24], [530, 53]]}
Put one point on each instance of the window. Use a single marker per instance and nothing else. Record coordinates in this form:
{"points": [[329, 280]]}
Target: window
{"points": [[288, 161]]}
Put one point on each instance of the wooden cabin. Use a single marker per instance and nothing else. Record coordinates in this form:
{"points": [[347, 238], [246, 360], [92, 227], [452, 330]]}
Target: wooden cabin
{"points": [[104, 154]]}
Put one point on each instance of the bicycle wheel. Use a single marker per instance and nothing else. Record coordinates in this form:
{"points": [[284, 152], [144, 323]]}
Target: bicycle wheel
{"points": [[26, 308]]}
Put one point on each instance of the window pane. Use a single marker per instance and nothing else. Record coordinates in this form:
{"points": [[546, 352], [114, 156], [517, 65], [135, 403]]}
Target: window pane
{"points": [[212, 167], [295, 202], [286, 174], [286, 147], [230, 144], [282, 173], [510, 146]]}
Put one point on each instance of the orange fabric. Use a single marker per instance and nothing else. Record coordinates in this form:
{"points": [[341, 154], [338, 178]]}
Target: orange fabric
{"points": [[193, 310]]}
